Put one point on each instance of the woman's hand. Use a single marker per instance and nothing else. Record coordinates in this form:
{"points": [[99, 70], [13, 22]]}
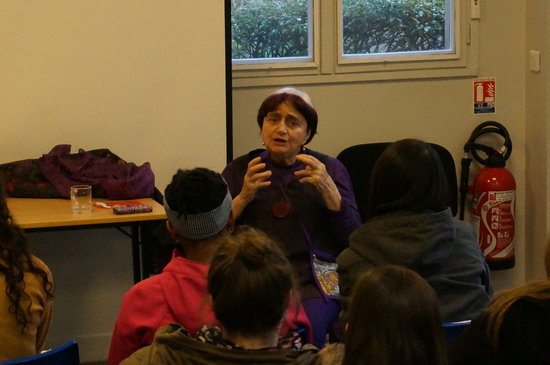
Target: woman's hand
{"points": [[316, 174], [255, 178]]}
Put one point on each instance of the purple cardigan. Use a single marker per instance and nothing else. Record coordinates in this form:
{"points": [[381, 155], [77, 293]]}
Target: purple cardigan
{"points": [[310, 228]]}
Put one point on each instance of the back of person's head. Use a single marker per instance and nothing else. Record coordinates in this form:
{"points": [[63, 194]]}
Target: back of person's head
{"points": [[409, 176], [394, 318], [197, 203], [15, 260], [249, 280], [538, 290]]}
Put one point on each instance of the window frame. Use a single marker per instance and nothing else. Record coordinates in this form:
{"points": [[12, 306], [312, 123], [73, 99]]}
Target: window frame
{"points": [[328, 66], [284, 62], [394, 61], [263, 67]]}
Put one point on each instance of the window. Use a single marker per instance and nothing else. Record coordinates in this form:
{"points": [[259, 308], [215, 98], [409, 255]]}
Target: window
{"points": [[317, 41], [395, 28], [271, 31]]}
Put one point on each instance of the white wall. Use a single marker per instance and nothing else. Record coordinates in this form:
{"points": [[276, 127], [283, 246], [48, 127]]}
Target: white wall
{"points": [[143, 78], [437, 110], [537, 137]]}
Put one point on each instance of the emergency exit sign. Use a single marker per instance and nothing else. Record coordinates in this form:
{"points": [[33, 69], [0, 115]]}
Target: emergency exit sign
{"points": [[484, 96]]}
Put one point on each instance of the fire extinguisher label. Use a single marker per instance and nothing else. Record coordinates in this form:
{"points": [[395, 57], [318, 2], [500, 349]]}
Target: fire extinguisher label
{"points": [[495, 223]]}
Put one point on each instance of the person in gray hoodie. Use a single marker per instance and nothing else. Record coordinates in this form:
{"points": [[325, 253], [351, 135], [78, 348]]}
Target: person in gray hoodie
{"points": [[409, 223]]}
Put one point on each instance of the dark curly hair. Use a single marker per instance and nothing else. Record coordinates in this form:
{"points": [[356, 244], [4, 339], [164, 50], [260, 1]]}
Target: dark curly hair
{"points": [[15, 261], [195, 191]]}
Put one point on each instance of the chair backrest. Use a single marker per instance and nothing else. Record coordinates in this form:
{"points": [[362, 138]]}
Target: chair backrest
{"points": [[359, 160], [453, 329], [66, 354]]}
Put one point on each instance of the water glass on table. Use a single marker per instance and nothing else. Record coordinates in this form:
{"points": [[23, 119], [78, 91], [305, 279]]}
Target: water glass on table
{"points": [[81, 199]]}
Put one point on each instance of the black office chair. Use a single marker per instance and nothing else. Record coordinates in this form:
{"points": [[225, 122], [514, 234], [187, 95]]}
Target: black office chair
{"points": [[359, 161]]}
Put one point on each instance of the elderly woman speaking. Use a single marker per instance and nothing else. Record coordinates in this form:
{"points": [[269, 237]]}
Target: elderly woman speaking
{"points": [[301, 198]]}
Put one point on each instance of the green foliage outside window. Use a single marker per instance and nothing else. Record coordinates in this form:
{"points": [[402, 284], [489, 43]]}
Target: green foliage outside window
{"points": [[377, 26], [279, 28], [269, 28]]}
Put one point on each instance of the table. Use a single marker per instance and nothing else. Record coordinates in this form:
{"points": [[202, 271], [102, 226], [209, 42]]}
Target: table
{"points": [[55, 214]]}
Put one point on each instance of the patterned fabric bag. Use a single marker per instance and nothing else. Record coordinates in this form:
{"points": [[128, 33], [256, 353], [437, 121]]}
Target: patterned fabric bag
{"points": [[52, 175]]}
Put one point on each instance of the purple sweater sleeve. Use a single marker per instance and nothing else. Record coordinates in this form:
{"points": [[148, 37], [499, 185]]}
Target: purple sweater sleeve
{"points": [[234, 176], [347, 220]]}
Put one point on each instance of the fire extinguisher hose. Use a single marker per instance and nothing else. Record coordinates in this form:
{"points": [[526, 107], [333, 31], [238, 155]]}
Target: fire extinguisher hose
{"points": [[494, 157]]}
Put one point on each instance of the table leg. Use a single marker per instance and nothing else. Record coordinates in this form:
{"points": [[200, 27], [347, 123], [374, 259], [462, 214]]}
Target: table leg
{"points": [[136, 251]]}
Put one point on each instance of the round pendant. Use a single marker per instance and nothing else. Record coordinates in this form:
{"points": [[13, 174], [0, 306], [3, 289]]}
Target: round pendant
{"points": [[280, 209]]}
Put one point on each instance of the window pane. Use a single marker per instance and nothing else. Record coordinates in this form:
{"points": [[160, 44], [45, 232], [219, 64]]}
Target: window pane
{"points": [[372, 27], [270, 29]]}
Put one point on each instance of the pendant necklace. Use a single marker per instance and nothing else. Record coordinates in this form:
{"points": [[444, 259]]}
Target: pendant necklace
{"points": [[281, 208]]}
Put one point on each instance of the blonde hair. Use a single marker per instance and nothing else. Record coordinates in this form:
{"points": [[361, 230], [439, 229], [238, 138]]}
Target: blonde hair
{"points": [[537, 290]]}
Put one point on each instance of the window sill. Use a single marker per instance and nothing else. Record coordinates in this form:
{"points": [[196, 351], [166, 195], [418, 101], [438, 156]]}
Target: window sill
{"points": [[301, 79]]}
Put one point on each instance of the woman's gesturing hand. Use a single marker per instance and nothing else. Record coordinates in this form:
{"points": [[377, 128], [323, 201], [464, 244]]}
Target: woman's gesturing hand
{"points": [[254, 179], [316, 174]]}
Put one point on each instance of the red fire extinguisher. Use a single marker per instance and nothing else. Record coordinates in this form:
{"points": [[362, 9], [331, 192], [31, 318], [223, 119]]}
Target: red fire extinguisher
{"points": [[493, 197]]}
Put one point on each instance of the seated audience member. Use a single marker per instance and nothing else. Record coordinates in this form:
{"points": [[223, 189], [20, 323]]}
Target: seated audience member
{"points": [[409, 223], [394, 318], [250, 283], [515, 328], [198, 207], [26, 292]]}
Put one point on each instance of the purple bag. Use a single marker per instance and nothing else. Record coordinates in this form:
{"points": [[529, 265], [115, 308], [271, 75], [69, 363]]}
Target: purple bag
{"points": [[54, 173], [109, 175]]}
